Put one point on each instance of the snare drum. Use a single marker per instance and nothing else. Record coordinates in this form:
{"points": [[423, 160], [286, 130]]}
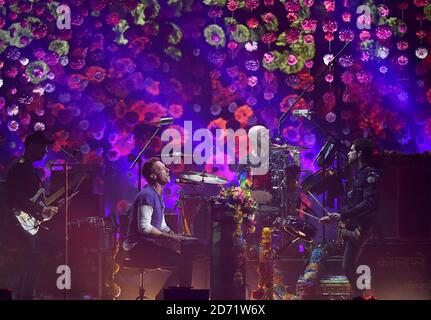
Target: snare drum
{"points": [[297, 228]]}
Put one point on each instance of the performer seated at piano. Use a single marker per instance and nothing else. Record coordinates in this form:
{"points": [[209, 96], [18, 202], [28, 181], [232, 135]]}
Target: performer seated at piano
{"points": [[148, 235], [23, 182]]}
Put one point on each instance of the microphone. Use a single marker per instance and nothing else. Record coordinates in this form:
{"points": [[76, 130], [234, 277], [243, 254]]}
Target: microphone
{"points": [[303, 113], [164, 121]]}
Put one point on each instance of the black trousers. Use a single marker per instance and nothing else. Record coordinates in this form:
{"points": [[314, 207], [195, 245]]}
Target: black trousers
{"points": [[352, 252], [31, 265]]}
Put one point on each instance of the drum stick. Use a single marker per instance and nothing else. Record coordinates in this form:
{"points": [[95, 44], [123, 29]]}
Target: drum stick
{"points": [[307, 214], [318, 202]]}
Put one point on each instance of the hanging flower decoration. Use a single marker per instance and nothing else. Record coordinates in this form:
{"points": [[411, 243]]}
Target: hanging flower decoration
{"points": [[383, 32], [241, 34], [214, 35], [265, 271], [240, 205]]}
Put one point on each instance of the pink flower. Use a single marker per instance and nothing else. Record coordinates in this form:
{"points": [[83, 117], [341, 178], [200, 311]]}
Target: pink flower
{"points": [[268, 17], [232, 5], [365, 56], [347, 16], [420, 3], [292, 5], [329, 5], [309, 64], [403, 60], [308, 3], [383, 10], [402, 45], [269, 37], [329, 78], [252, 81], [252, 4], [308, 39], [268, 57], [292, 35], [329, 36], [364, 35], [383, 32], [292, 17], [309, 24], [330, 26], [292, 60], [346, 35], [232, 45]]}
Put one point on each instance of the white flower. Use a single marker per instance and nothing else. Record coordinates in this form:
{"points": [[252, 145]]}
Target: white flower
{"points": [[251, 46]]}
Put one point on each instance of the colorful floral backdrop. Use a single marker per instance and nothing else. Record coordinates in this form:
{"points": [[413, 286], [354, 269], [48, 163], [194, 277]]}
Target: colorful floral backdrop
{"points": [[98, 86]]}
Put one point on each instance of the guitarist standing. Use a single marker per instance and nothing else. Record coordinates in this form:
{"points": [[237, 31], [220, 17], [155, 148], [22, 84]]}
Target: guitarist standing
{"points": [[360, 207], [23, 183]]}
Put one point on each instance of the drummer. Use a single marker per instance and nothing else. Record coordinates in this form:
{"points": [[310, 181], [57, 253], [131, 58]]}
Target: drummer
{"points": [[254, 173]]}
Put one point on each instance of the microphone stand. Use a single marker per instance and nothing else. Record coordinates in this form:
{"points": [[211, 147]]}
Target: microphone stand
{"points": [[65, 167], [283, 116], [138, 158]]}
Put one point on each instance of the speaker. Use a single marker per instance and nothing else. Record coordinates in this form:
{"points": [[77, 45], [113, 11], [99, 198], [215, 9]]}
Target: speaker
{"points": [[399, 269], [404, 209]]}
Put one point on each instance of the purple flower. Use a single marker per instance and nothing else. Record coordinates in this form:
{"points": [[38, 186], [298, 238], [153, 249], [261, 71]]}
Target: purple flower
{"points": [[346, 35], [346, 60], [364, 77], [252, 65]]}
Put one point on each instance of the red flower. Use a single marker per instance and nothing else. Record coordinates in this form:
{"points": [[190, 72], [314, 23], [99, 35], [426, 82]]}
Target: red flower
{"points": [[252, 23], [96, 74], [112, 18], [175, 110], [243, 114]]}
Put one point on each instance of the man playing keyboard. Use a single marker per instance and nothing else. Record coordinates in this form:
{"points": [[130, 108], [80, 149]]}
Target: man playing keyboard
{"points": [[148, 236]]}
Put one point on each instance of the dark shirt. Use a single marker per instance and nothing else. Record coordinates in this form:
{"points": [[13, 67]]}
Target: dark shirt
{"points": [[148, 196], [362, 199], [23, 182]]}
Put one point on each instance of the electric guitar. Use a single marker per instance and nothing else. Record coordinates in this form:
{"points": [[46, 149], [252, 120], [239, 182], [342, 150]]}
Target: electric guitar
{"points": [[31, 224]]}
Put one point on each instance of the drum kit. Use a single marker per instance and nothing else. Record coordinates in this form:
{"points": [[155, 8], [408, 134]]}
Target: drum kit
{"points": [[277, 202]]}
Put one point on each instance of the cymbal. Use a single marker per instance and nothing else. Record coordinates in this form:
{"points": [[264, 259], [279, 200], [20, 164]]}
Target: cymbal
{"points": [[202, 177], [287, 147]]}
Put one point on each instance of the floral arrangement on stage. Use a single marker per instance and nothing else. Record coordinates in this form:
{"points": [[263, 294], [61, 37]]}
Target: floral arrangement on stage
{"points": [[241, 205], [265, 270], [309, 280]]}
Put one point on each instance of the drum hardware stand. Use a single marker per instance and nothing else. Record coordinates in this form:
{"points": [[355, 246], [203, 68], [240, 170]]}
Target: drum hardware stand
{"points": [[285, 247]]}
